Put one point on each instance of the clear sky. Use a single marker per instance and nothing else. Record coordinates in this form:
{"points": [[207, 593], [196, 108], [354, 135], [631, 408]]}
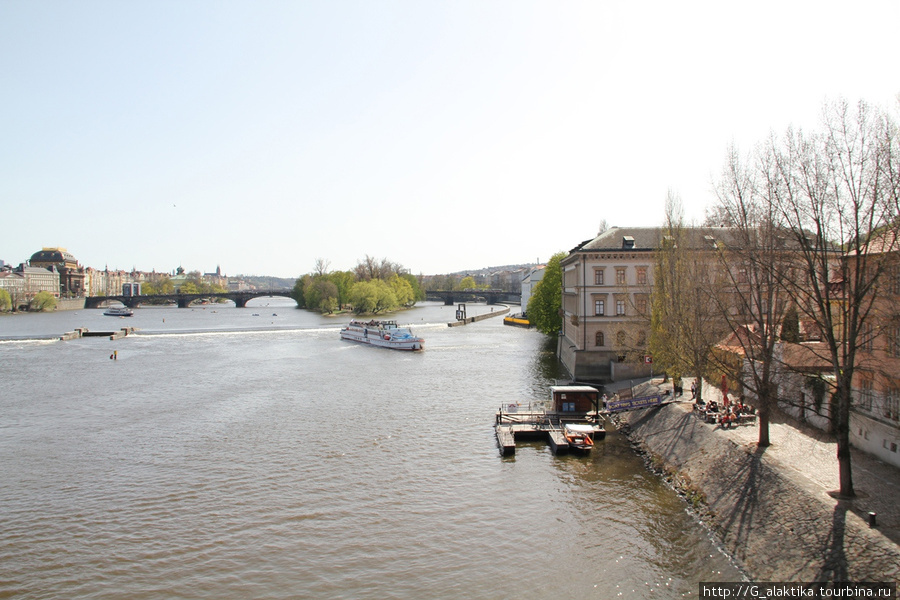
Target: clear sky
{"points": [[442, 135]]}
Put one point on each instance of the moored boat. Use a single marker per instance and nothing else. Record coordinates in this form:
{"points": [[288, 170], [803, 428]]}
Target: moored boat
{"points": [[119, 311], [385, 334], [579, 437]]}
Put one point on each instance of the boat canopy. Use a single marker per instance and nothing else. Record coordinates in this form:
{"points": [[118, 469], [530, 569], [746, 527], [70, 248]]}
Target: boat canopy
{"points": [[575, 428]]}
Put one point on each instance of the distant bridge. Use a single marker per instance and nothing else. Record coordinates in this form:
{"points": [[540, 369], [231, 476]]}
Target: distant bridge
{"points": [[239, 298], [489, 296]]}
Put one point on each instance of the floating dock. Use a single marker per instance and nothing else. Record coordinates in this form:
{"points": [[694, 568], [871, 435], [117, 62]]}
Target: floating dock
{"points": [[536, 425]]}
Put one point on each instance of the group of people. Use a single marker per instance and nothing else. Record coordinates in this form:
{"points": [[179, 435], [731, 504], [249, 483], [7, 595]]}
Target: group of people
{"points": [[728, 414]]}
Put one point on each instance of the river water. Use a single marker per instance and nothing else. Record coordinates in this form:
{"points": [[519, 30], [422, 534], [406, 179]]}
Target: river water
{"points": [[250, 453]]}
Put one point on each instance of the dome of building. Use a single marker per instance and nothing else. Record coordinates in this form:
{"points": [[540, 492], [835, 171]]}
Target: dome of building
{"points": [[52, 256]]}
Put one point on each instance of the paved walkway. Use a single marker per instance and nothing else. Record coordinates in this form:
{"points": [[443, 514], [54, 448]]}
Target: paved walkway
{"points": [[809, 458]]}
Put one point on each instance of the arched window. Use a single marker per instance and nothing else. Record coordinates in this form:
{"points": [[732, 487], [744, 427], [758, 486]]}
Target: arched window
{"points": [[599, 338]]}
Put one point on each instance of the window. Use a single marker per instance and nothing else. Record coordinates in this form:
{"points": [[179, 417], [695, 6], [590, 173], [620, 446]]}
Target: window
{"points": [[893, 276], [599, 338], [893, 340], [642, 275], [599, 308], [640, 304], [866, 394], [867, 338], [598, 277], [620, 307], [641, 338], [620, 338], [892, 403], [620, 276]]}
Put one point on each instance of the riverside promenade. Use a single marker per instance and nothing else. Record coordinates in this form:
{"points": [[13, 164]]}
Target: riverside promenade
{"points": [[775, 509]]}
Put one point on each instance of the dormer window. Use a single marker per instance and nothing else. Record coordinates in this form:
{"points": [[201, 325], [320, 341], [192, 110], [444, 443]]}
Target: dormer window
{"points": [[627, 242]]}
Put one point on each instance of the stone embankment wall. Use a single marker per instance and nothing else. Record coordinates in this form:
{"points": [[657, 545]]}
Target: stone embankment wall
{"points": [[777, 529], [502, 310], [70, 304]]}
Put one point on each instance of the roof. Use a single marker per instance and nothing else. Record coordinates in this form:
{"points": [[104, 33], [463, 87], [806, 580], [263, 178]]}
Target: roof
{"points": [[572, 389], [647, 239], [52, 255]]}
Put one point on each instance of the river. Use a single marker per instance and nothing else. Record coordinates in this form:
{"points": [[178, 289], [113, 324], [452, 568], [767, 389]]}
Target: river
{"points": [[250, 453]]}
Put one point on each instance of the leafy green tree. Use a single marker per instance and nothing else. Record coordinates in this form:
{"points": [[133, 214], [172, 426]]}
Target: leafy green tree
{"points": [[42, 301], [402, 290], [189, 287], [467, 283], [298, 292], [372, 297], [321, 294], [416, 285], [546, 298], [5, 300], [343, 281]]}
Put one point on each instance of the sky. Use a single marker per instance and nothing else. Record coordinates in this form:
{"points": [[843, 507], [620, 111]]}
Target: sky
{"points": [[259, 136]]}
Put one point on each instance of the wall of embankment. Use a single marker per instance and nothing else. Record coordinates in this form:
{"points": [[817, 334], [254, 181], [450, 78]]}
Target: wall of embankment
{"points": [[776, 528]]}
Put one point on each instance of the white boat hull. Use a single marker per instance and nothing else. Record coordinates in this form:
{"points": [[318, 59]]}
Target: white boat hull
{"points": [[396, 339]]}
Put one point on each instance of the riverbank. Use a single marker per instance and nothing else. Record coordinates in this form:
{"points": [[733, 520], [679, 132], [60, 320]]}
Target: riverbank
{"points": [[771, 508]]}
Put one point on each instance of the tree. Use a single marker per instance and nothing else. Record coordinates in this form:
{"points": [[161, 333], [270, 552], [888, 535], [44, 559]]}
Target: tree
{"points": [[467, 283], [5, 300], [372, 297], [189, 287], [298, 292], [836, 192], [42, 301], [546, 298], [685, 323], [321, 294], [343, 281], [752, 266]]}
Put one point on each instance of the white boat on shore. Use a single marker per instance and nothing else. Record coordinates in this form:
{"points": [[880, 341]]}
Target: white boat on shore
{"points": [[384, 334], [119, 311]]}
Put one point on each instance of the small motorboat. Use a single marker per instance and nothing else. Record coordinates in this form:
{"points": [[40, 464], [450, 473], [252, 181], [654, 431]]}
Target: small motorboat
{"points": [[579, 437]]}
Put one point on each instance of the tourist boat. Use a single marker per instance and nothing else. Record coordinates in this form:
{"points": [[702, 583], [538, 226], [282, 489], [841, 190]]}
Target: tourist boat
{"points": [[385, 334], [119, 311], [579, 437]]}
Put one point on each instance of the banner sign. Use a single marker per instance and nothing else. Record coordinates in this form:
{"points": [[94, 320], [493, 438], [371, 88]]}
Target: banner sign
{"points": [[633, 403]]}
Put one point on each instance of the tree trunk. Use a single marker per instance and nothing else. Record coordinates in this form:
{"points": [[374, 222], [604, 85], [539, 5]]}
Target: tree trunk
{"points": [[842, 429], [763, 417]]}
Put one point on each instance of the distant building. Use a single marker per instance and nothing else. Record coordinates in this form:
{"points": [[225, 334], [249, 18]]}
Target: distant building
{"points": [[530, 278], [14, 284], [71, 274], [37, 279]]}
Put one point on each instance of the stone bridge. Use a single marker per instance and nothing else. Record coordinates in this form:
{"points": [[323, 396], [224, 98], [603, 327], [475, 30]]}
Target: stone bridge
{"points": [[489, 296], [239, 298]]}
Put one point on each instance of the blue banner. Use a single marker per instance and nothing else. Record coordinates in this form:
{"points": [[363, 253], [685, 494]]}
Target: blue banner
{"points": [[633, 403]]}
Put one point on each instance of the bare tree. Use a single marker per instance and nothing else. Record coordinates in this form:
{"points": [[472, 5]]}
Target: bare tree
{"points": [[833, 192], [322, 266], [752, 265]]}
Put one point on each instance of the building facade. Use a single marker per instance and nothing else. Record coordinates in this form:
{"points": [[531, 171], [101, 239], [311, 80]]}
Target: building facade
{"points": [[606, 284], [71, 274], [875, 414]]}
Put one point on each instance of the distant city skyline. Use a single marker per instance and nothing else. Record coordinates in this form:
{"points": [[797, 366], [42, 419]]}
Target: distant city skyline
{"points": [[442, 136]]}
